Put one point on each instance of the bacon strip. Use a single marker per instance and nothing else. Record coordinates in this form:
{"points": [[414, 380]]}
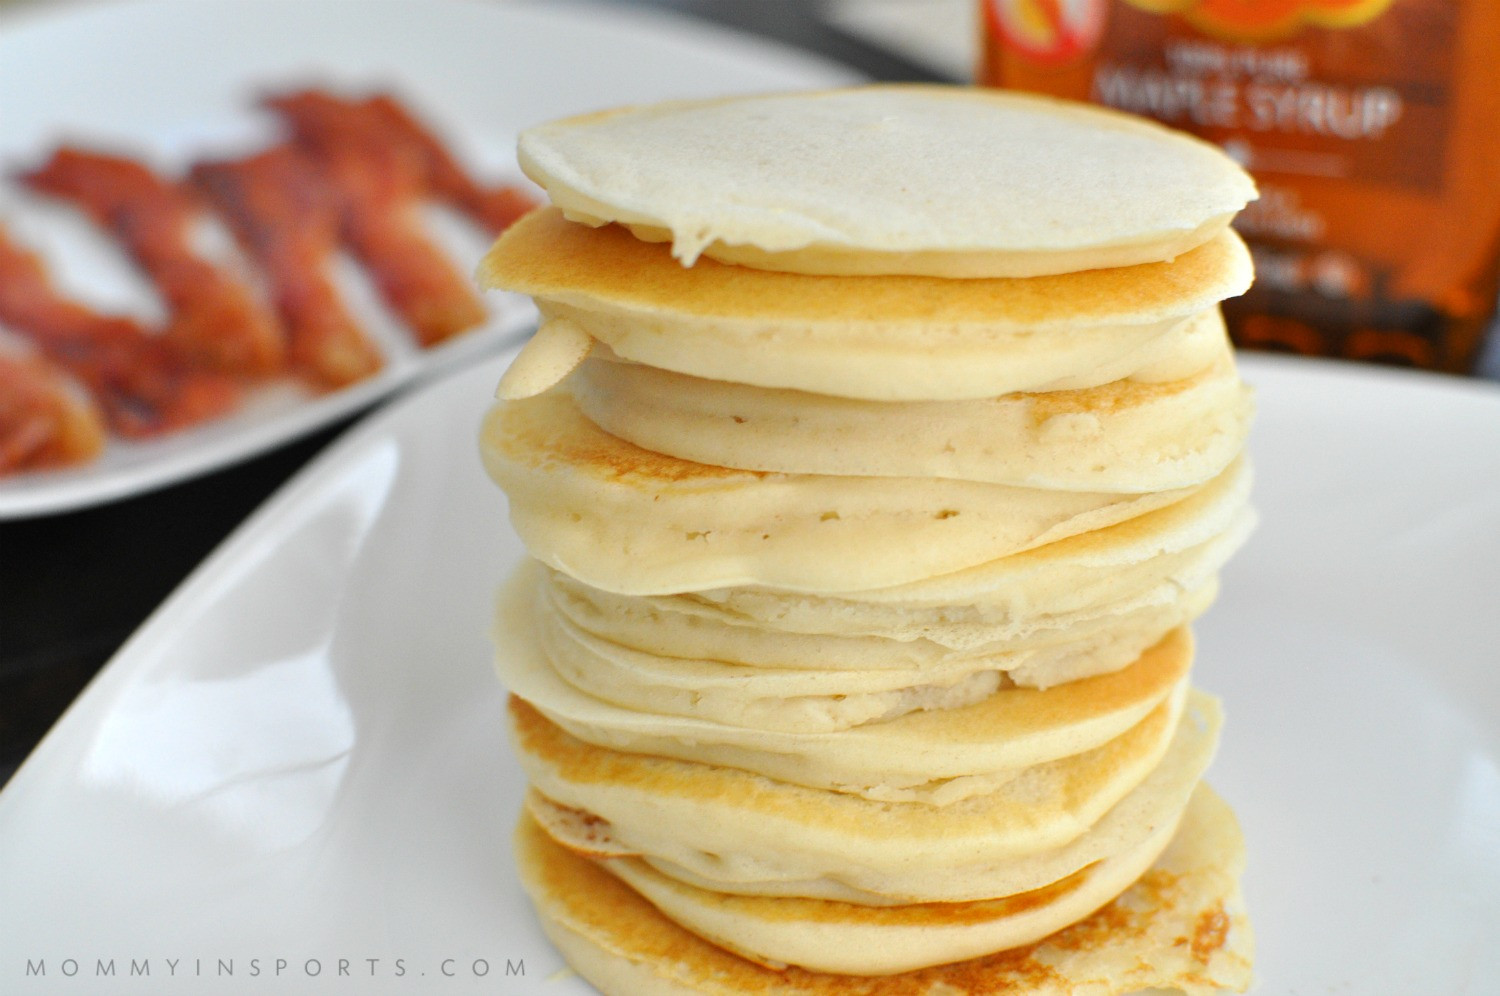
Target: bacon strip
{"points": [[379, 187], [145, 384], [288, 223], [495, 208], [213, 316], [43, 423]]}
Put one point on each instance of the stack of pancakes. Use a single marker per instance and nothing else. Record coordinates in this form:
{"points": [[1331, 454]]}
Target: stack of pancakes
{"points": [[876, 450]]}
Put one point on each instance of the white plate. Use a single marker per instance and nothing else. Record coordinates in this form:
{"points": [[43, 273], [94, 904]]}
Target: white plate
{"points": [[300, 755], [174, 81]]}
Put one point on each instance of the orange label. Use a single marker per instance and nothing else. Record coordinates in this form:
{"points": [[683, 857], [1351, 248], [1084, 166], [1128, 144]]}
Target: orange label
{"points": [[1247, 20], [1284, 110]]}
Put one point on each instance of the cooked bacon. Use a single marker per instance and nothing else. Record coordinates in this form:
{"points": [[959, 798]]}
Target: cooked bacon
{"points": [[358, 173], [495, 208], [288, 223], [145, 384], [42, 422], [213, 315], [379, 186]]}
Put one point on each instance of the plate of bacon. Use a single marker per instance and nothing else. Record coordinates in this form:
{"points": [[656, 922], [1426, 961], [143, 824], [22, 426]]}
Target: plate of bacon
{"points": [[224, 225]]}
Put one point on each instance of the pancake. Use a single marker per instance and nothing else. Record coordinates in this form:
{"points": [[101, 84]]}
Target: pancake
{"points": [[871, 679], [1180, 926], [551, 354], [1126, 436], [632, 521], [1077, 589], [881, 339], [938, 755], [735, 832], [828, 936], [783, 699], [804, 700], [947, 181], [757, 661]]}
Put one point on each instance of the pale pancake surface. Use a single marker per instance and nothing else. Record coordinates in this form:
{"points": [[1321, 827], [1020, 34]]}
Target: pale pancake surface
{"points": [[634, 521], [761, 664], [731, 831], [1140, 577], [951, 181], [1125, 436], [831, 936], [1182, 926], [677, 655], [939, 755]]}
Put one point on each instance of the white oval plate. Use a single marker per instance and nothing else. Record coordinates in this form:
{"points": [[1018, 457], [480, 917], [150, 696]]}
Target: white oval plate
{"points": [[174, 80], [300, 756]]}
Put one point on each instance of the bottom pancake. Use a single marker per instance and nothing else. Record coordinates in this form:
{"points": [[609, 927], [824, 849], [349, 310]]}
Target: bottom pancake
{"points": [[1182, 926], [848, 938]]}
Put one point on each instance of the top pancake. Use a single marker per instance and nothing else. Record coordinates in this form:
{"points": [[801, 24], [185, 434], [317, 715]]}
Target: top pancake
{"points": [[952, 182]]}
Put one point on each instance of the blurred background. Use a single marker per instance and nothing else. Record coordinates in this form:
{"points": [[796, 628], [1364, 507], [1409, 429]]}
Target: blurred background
{"points": [[1372, 127]]}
